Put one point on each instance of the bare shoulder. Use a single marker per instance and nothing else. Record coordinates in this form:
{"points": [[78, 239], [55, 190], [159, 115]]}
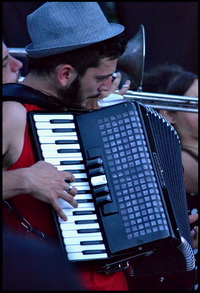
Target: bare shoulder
{"points": [[14, 114], [13, 107], [14, 123]]}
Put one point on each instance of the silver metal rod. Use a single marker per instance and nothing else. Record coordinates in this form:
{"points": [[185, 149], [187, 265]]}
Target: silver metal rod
{"points": [[17, 52], [160, 97], [155, 101]]}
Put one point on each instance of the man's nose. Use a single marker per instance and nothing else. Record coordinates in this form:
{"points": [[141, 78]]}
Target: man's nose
{"points": [[106, 84], [15, 64]]}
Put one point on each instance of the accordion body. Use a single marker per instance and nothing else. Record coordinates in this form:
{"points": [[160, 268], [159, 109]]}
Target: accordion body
{"points": [[132, 161]]}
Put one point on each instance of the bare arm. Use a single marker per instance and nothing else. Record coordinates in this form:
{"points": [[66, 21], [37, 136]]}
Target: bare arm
{"points": [[191, 173], [42, 180]]}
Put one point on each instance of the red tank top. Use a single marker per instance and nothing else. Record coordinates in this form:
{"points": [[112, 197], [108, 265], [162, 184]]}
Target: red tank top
{"points": [[40, 215]]}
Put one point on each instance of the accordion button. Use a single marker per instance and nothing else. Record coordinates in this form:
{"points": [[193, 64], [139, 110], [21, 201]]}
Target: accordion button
{"points": [[98, 180], [95, 162], [103, 199], [101, 190]]}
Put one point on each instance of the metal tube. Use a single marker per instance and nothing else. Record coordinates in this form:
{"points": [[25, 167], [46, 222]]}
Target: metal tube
{"points": [[17, 52], [155, 101]]}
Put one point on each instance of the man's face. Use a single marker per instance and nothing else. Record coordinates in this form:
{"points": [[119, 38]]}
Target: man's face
{"points": [[89, 86], [10, 66]]}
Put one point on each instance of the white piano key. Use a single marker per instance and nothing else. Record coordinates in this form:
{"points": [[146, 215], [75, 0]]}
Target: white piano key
{"points": [[49, 132], [68, 226], [73, 241], [74, 233], [77, 167], [80, 248], [53, 139], [66, 205], [98, 180], [80, 175], [84, 185], [51, 154], [46, 125], [78, 218], [57, 161], [48, 117], [54, 147], [81, 256], [83, 196]]}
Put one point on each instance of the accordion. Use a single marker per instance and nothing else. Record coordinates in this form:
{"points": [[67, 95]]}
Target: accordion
{"points": [[129, 175]]}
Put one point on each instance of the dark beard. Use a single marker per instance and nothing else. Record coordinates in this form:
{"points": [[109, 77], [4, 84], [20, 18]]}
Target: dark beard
{"points": [[71, 96]]}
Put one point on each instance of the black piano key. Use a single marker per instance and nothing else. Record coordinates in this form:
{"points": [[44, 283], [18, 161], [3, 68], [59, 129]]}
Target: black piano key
{"points": [[62, 130], [91, 242], [84, 200], [63, 141], [83, 191], [83, 231], [97, 251], [58, 121], [80, 179], [70, 162], [82, 213], [85, 222], [77, 172], [68, 151]]}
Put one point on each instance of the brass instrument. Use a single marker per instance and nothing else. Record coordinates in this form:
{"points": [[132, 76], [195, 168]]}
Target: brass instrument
{"points": [[133, 60], [132, 63], [17, 52], [155, 101]]}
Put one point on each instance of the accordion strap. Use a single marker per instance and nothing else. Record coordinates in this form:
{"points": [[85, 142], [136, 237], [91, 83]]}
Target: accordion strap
{"points": [[27, 95]]}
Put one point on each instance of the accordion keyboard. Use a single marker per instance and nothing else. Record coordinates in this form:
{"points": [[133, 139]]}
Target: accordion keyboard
{"points": [[60, 146]]}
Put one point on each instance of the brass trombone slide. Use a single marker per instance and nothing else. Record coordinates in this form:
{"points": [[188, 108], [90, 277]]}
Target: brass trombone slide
{"points": [[154, 100]]}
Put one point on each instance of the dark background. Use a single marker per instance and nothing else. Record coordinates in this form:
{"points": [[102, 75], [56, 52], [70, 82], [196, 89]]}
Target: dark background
{"points": [[171, 28]]}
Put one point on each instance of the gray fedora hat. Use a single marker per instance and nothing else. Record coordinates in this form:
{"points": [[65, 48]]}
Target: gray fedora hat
{"points": [[58, 27]]}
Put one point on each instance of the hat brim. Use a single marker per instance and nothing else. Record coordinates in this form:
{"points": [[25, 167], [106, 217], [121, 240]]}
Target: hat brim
{"points": [[53, 49]]}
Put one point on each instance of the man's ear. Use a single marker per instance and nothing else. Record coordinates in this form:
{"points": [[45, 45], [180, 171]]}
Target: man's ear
{"points": [[65, 74], [169, 115]]}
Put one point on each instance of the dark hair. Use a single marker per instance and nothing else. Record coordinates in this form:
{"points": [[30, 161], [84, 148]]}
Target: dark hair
{"points": [[168, 79], [81, 58]]}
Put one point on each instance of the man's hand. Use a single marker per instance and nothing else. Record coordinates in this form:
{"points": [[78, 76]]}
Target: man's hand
{"points": [[42, 181], [93, 103], [48, 184], [194, 232], [115, 86]]}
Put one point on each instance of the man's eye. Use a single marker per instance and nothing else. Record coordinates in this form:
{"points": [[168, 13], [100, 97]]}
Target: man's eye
{"points": [[4, 65], [101, 78]]}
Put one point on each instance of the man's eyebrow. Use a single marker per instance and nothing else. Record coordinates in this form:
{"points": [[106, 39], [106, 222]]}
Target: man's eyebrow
{"points": [[5, 58], [105, 76]]}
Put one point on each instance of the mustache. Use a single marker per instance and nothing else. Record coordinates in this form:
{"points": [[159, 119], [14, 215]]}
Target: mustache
{"points": [[93, 97]]}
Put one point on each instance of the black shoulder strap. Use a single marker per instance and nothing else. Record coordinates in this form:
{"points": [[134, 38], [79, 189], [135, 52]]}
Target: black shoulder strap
{"points": [[27, 95]]}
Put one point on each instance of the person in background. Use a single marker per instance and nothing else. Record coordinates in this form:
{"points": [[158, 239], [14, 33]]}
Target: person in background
{"points": [[173, 79], [10, 66]]}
